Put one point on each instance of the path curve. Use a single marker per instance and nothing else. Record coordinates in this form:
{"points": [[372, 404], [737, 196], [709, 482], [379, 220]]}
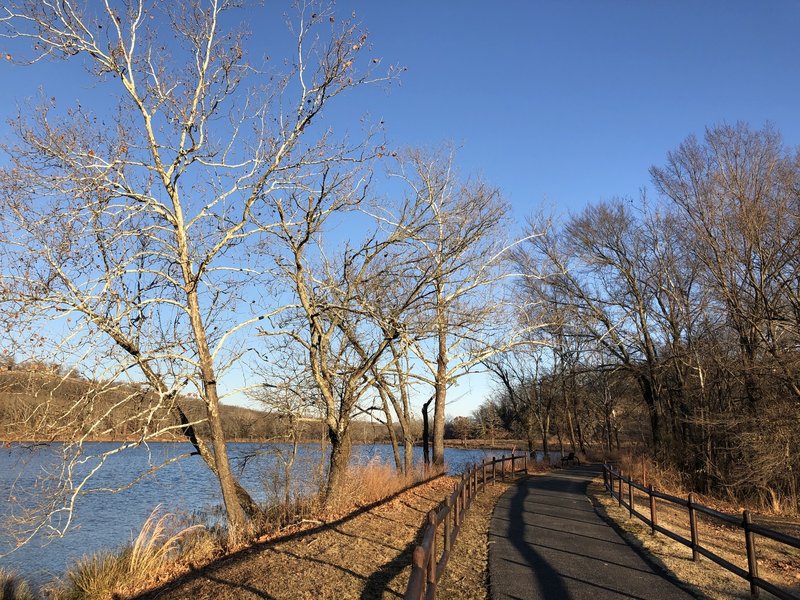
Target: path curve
{"points": [[547, 541]]}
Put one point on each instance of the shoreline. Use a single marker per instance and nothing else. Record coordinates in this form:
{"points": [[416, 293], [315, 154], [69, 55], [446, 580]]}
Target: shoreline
{"points": [[455, 444]]}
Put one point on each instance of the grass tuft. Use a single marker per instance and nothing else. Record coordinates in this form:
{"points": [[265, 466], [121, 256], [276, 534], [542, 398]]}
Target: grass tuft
{"points": [[150, 557], [13, 587]]}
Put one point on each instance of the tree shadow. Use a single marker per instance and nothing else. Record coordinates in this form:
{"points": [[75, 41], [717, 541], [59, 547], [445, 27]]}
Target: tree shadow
{"points": [[634, 544], [548, 561], [548, 579], [378, 583], [212, 572]]}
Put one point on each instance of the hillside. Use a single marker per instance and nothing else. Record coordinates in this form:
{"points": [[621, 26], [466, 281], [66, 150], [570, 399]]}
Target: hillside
{"points": [[43, 404]]}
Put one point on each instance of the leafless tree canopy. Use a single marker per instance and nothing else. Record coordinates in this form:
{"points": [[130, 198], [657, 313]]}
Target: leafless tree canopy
{"points": [[132, 218], [680, 313]]}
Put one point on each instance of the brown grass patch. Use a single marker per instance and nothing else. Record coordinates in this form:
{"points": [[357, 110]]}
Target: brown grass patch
{"points": [[466, 575], [369, 483]]}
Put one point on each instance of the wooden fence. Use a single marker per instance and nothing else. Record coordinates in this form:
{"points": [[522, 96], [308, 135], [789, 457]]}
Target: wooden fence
{"points": [[428, 561], [614, 480]]}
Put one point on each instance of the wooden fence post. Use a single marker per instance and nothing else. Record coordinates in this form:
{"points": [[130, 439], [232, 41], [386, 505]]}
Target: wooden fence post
{"points": [[513, 465], [455, 508], [503, 467], [432, 558], [473, 470], [527, 454], [494, 470], [418, 562], [752, 562], [483, 473], [463, 497], [630, 498], [653, 514], [619, 494], [448, 526], [693, 528]]}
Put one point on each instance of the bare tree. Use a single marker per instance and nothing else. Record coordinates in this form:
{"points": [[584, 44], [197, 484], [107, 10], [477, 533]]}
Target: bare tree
{"points": [[394, 386], [130, 228], [464, 242], [351, 302]]}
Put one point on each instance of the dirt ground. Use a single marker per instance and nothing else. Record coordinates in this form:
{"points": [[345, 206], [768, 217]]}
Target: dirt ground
{"points": [[364, 555]]}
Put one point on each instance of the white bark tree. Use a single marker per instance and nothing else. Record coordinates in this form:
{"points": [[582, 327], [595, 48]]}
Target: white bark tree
{"points": [[128, 217], [464, 240]]}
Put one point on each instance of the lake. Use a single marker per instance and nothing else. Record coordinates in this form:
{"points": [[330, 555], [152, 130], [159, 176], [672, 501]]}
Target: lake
{"points": [[106, 520]]}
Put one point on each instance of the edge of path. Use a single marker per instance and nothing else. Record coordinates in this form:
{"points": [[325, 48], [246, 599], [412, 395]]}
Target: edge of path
{"points": [[592, 472]]}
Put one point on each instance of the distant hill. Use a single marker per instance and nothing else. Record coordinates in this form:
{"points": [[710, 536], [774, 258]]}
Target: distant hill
{"points": [[39, 402]]}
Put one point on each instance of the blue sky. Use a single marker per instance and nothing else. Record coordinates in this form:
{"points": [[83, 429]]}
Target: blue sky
{"points": [[571, 102], [557, 103], [565, 103]]}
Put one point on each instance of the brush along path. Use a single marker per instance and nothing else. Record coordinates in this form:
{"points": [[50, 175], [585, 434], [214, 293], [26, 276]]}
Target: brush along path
{"points": [[366, 554]]}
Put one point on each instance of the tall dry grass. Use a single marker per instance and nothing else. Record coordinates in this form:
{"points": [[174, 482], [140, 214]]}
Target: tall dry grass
{"points": [[154, 555], [371, 482]]}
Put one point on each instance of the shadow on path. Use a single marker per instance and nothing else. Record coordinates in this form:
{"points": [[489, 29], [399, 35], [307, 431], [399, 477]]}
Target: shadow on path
{"points": [[547, 541]]}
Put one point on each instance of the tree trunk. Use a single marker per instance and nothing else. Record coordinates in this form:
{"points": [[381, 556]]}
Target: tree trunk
{"points": [[529, 435], [408, 456], [545, 448], [650, 400], [341, 449], [426, 456], [441, 398], [398, 463]]}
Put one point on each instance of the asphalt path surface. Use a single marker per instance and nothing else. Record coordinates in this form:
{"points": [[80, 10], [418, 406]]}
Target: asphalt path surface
{"points": [[547, 541]]}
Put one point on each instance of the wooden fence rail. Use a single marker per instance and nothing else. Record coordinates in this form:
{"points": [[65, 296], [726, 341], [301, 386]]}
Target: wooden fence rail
{"points": [[428, 562], [613, 480]]}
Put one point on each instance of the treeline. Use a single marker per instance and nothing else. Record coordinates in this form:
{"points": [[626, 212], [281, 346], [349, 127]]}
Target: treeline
{"points": [[674, 321], [35, 395]]}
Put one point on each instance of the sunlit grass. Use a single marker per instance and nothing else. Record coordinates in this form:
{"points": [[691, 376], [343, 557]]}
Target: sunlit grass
{"points": [[153, 555]]}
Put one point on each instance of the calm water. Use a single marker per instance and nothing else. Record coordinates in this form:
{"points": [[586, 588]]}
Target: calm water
{"points": [[105, 520]]}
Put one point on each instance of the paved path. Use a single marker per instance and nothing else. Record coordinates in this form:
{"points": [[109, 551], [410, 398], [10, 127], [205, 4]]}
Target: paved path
{"points": [[547, 541]]}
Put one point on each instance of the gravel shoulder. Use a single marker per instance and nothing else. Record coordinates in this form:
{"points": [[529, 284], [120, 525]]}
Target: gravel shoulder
{"points": [[467, 573]]}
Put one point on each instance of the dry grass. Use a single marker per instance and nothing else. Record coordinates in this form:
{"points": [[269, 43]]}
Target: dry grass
{"points": [[366, 554], [778, 564], [466, 576], [155, 554], [13, 587], [369, 483]]}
